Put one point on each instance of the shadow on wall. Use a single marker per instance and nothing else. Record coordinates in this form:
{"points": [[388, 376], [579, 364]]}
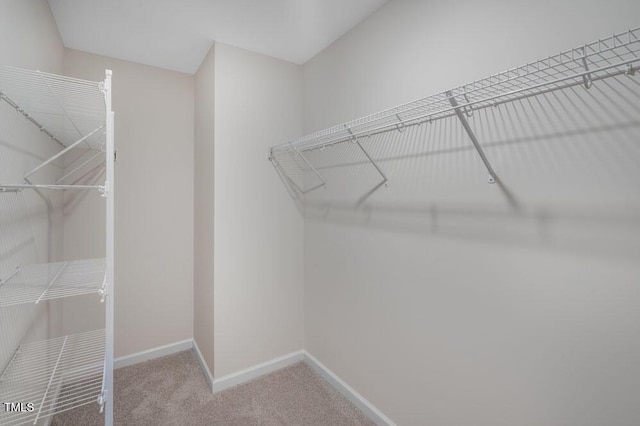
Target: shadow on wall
{"points": [[567, 163]]}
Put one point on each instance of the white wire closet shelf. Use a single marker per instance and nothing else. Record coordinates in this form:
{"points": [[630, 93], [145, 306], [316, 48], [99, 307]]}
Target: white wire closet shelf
{"points": [[70, 111], [35, 283], [613, 56], [54, 375]]}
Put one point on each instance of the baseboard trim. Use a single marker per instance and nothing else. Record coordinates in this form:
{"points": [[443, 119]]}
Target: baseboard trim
{"points": [[358, 400], [256, 371], [153, 353], [203, 365], [248, 374]]}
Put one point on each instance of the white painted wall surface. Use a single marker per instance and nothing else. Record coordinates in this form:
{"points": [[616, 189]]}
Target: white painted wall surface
{"points": [[437, 302], [258, 232], [203, 207], [154, 203]]}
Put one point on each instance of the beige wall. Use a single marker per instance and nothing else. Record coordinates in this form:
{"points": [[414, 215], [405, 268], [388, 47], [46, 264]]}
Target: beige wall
{"points": [[154, 203], [30, 222], [437, 301], [204, 208], [258, 232], [30, 36]]}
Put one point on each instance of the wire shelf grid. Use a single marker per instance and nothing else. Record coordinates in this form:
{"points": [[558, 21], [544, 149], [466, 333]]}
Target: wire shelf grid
{"points": [[65, 108], [35, 283], [585, 65], [54, 375]]}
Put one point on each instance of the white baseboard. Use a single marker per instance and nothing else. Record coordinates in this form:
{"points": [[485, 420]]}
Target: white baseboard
{"points": [[358, 400], [256, 371], [203, 365], [248, 374], [160, 351]]}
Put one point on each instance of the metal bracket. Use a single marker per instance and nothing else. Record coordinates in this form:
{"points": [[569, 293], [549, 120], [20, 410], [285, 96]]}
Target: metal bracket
{"points": [[104, 190], [586, 78], [313, 169], [399, 126], [102, 399], [461, 116], [64, 151], [364, 151], [103, 292], [468, 109]]}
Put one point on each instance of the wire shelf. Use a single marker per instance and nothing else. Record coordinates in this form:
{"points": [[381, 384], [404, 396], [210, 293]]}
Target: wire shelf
{"points": [[54, 375], [613, 56], [69, 110], [35, 283], [65, 108]]}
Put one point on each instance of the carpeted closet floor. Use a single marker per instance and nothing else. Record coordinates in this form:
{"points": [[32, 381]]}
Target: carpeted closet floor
{"points": [[173, 391]]}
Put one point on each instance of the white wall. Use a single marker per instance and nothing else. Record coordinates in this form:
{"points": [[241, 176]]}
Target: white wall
{"points": [[30, 222], [154, 204], [436, 300], [258, 233], [204, 208]]}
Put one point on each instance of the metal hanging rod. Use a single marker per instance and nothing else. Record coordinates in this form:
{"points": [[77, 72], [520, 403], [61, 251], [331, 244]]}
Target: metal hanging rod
{"points": [[62, 107], [585, 65], [30, 118], [12, 188]]}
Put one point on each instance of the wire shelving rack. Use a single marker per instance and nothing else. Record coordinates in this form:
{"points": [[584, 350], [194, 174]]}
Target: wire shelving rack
{"points": [[56, 375], [611, 57], [35, 283], [69, 110], [63, 373]]}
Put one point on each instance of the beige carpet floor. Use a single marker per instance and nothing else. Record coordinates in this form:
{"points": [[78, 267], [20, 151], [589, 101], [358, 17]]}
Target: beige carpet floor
{"points": [[173, 391]]}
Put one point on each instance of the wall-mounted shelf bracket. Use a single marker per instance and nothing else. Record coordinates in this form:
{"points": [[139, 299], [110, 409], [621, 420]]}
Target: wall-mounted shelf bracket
{"points": [[104, 190], [364, 151], [586, 78], [461, 116], [64, 151], [103, 292], [102, 399], [299, 154], [384, 180]]}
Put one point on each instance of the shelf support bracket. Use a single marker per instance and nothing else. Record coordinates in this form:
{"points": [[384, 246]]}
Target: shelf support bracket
{"points": [[586, 78], [104, 291], [461, 116], [384, 180], [313, 169], [64, 151]]}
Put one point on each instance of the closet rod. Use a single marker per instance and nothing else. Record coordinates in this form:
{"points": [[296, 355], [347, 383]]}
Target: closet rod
{"points": [[30, 118], [11, 188]]}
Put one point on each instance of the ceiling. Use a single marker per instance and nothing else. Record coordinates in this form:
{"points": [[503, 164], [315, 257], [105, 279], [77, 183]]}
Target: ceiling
{"points": [[176, 34]]}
